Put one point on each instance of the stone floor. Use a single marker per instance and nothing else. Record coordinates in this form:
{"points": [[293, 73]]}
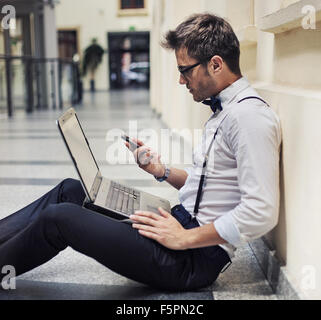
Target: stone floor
{"points": [[34, 159]]}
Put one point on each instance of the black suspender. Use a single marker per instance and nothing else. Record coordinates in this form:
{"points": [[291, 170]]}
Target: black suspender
{"points": [[252, 97], [200, 186]]}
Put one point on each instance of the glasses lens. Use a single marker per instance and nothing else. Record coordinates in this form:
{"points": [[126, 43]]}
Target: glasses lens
{"points": [[183, 70]]}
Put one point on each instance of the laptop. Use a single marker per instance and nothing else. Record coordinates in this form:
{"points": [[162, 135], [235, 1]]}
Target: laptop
{"points": [[104, 196]]}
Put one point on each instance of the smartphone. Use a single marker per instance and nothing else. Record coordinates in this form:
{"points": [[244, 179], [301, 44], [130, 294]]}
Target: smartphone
{"points": [[132, 143]]}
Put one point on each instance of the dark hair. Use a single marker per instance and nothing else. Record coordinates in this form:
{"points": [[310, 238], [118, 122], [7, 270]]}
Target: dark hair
{"points": [[205, 35]]}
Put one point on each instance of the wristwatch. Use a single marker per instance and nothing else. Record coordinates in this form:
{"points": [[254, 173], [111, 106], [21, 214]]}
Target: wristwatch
{"points": [[165, 176]]}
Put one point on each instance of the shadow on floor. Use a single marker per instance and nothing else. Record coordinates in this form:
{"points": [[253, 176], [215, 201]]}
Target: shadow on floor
{"points": [[38, 290]]}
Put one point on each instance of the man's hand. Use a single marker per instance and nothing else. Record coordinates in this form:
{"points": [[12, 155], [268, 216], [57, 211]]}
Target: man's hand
{"points": [[163, 228], [150, 162], [147, 159]]}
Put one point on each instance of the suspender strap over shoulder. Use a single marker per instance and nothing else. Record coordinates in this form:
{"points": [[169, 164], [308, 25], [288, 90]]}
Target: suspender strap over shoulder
{"points": [[252, 97], [200, 186]]}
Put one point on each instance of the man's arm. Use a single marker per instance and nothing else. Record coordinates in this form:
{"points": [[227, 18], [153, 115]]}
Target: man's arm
{"points": [[150, 162], [203, 236], [176, 178]]}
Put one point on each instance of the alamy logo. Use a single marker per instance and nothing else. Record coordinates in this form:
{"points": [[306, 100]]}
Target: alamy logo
{"points": [[308, 280], [9, 20], [308, 21], [9, 280]]}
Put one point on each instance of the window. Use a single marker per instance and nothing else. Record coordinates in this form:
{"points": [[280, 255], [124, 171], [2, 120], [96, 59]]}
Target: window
{"points": [[132, 4], [132, 7]]}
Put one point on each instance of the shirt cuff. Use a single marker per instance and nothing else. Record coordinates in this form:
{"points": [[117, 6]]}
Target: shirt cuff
{"points": [[227, 229], [188, 170]]}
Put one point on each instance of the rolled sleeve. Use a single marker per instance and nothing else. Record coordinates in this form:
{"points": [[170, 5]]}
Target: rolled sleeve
{"points": [[227, 229], [188, 170]]}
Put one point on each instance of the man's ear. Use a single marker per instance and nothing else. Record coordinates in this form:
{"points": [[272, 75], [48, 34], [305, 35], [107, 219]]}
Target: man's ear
{"points": [[217, 62]]}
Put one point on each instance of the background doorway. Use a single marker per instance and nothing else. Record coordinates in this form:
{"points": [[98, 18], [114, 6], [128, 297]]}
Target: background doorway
{"points": [[67, 43], [128, 59]]}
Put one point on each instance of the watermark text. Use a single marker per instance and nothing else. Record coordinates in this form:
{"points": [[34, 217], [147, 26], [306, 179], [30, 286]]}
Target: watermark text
{"points": [[308, 21], [9, 280]]}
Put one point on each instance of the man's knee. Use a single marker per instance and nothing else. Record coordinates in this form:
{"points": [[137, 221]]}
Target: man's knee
{"points": [[49, 212], [71, 183], [72, 191]]}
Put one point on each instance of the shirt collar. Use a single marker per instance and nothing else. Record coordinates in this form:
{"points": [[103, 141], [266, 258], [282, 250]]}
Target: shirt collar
{"points": [[230, 93]]}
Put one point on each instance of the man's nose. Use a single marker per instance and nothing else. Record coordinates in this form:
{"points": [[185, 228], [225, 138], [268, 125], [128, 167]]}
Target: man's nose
{"points": [[182, 79]]}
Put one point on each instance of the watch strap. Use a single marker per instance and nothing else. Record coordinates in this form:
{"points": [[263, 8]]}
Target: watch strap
{"points": [[165, 176]]}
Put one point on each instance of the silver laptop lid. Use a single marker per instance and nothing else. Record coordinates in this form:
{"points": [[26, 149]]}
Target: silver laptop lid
{"points": [[80, 152]]}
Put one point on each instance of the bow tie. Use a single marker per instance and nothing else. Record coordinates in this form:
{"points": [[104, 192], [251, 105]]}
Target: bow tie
{"points": [[215, 103]]}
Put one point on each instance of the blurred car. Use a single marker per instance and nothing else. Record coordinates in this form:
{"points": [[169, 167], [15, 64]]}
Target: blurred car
{"points": [[138, 73]]}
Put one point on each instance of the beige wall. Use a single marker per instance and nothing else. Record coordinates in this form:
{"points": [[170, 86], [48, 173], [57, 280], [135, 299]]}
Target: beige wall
{"points": [[297, 52], [296, 93], [284, 66], [94, 19]]}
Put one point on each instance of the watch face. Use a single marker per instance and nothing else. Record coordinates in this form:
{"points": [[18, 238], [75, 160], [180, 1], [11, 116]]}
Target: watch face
{"points": [[165, 176], [160, 179]]}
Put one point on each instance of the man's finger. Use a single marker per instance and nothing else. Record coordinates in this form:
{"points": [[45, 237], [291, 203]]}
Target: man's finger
{"points": [[148, 214], [144, 227], [150, 235], [139, 142], [144, 220], [164, 213]]}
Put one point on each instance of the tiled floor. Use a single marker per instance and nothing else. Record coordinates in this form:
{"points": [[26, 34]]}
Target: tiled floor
{"points": [[33, 159]]}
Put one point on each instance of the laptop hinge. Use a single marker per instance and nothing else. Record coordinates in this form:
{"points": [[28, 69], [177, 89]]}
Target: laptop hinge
{"points": [[86, 201], [95, 187]]}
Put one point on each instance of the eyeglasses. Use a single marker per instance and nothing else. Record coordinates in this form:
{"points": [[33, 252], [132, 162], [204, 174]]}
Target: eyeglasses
{"points": [[183, 70]]}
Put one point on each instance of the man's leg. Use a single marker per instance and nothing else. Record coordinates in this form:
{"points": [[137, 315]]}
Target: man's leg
{"points": [[69, 190], [114, 244]]}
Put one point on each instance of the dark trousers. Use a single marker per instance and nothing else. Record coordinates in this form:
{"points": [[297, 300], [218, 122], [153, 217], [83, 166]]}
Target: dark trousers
{"points": [[38, 232]]}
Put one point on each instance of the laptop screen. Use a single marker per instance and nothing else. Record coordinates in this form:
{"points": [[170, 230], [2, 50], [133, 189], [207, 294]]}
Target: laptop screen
{"points": [[80, 150]]}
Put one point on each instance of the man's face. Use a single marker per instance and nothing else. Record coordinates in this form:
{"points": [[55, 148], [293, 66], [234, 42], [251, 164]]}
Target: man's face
{"points": [[198, 80]]}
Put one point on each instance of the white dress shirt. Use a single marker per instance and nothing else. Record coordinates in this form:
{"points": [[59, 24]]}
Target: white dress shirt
{"points": [[241, 189]]}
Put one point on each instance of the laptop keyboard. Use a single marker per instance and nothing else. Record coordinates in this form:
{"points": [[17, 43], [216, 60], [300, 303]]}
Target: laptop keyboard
{"points": [[122, 199]]}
